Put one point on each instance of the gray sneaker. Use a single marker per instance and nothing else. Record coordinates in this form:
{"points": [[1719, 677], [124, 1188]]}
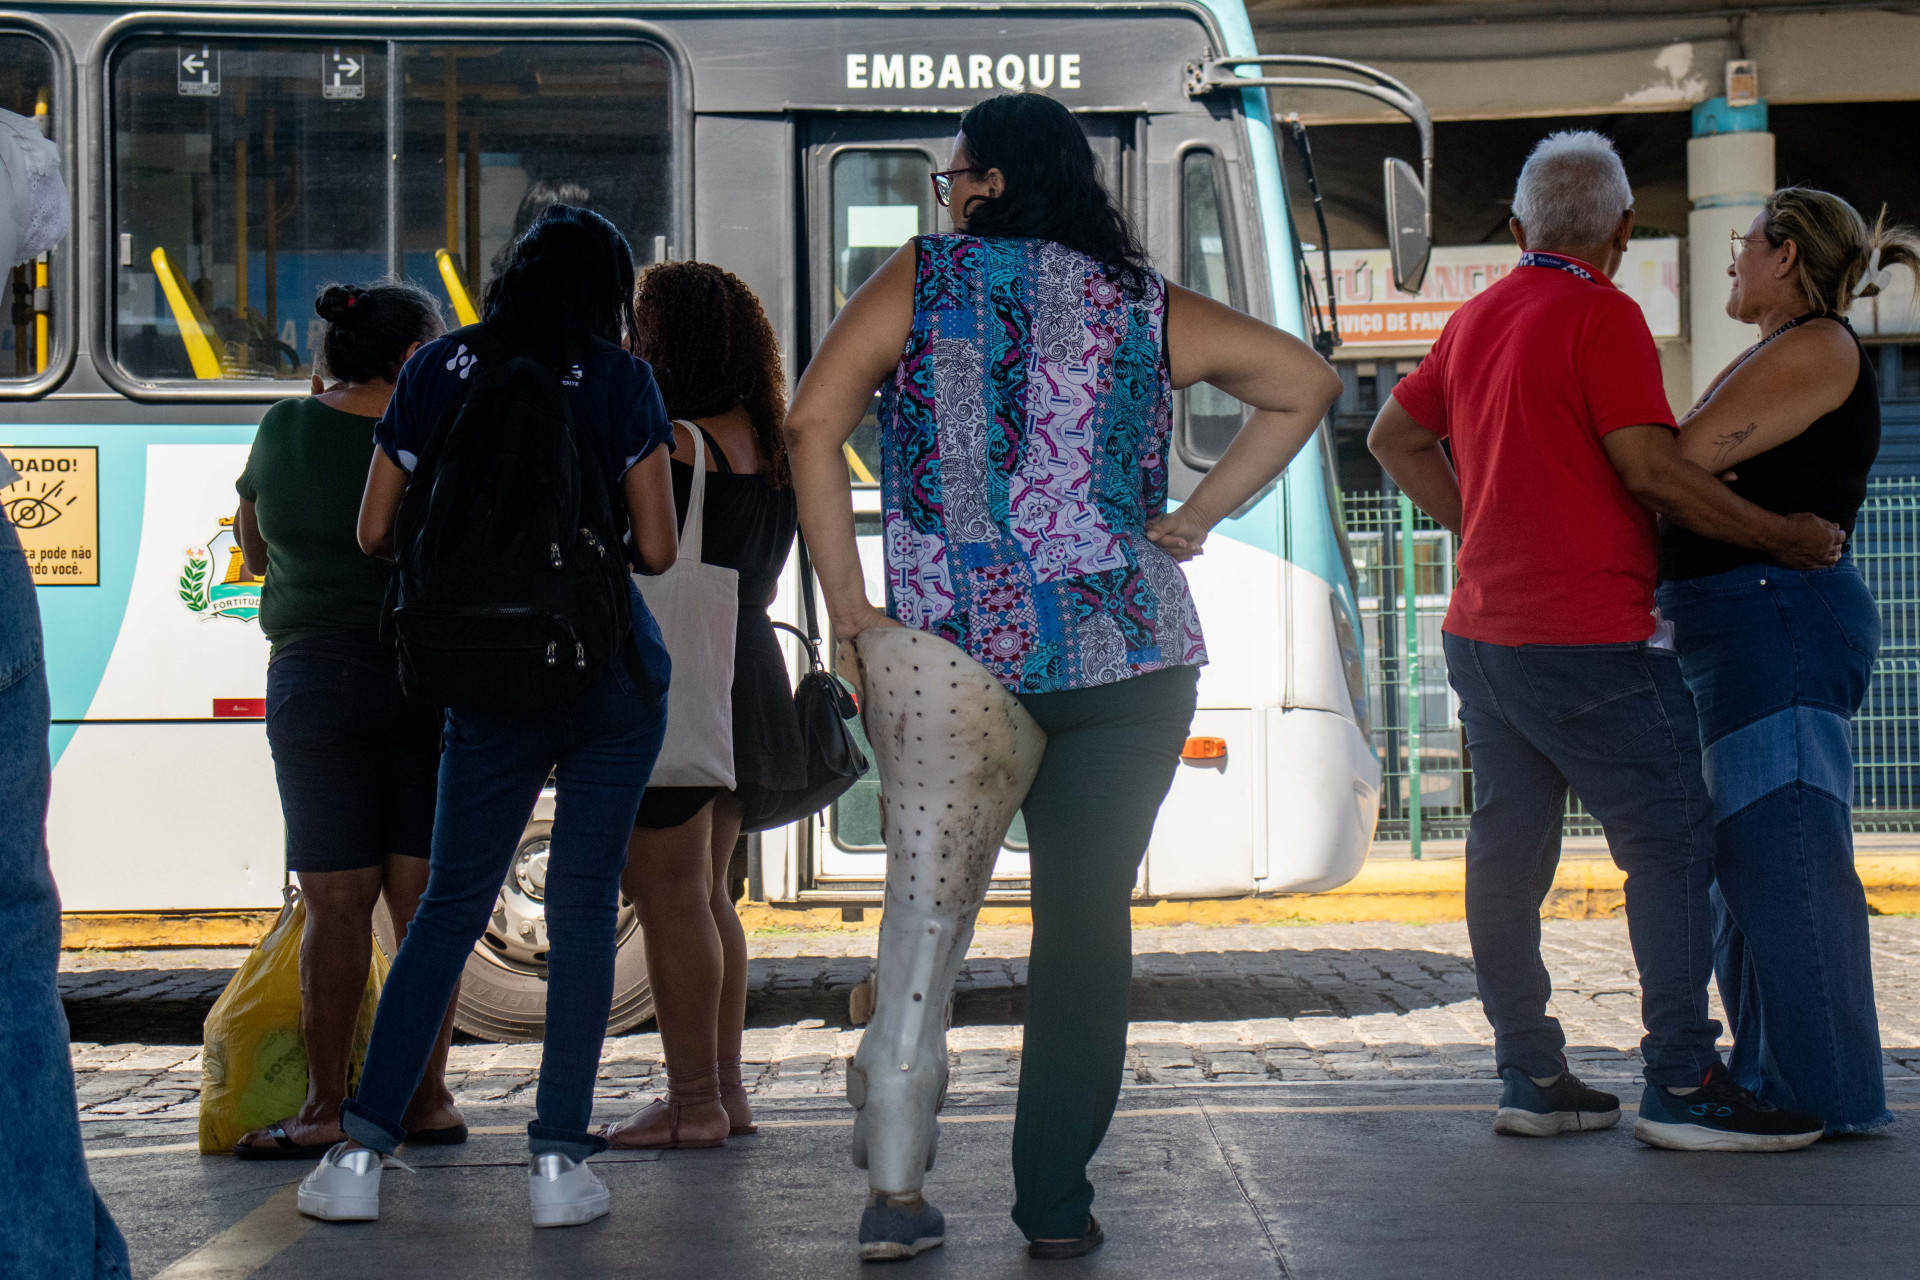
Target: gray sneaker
{"points": [[890, 1232], [1528, 1110]]}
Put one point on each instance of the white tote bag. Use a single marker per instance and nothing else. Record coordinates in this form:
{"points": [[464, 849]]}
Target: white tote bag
{"points": [[698, 608]]}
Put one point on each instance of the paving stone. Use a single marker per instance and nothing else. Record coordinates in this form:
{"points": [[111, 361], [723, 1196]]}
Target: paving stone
{"points": [[1230, 1005]]}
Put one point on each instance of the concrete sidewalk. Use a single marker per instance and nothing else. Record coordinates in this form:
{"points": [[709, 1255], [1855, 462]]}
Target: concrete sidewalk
{"points": [[1330, 1181]]}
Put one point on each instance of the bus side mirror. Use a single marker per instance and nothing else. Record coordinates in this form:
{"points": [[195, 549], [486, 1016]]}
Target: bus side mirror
{"points": [[1409, 243]]}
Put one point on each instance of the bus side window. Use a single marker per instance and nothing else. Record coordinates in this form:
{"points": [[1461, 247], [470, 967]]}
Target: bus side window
{"points": [[250, 172], [26, 332], [1210, 418], [247, 174], [492, 134]]}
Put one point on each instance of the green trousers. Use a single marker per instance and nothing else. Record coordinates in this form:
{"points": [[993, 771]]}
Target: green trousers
{"points": [[1111, 754]]}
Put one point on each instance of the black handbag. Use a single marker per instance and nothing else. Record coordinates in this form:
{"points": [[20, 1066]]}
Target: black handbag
{"points": [[824, 704]]}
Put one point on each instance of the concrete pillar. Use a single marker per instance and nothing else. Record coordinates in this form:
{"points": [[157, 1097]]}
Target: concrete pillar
{"points": [[1729, 176]]}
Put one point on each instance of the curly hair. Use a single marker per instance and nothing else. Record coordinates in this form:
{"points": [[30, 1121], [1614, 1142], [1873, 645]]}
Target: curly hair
{"points": [[711, 348]]}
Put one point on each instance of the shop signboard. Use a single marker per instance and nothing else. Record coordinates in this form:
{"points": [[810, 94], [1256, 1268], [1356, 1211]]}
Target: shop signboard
{"points": [[1373, 313]]}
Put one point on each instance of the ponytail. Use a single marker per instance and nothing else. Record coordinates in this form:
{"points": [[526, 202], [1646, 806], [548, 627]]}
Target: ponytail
{"points": [[1841, 259]]}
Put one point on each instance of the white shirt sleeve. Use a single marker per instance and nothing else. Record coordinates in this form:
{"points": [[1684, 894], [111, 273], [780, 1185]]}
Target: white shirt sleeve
{"points": [[33, 200]]}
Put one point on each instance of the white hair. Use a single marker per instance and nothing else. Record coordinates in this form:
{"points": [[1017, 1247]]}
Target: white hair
{"points": [[1572, 191]]}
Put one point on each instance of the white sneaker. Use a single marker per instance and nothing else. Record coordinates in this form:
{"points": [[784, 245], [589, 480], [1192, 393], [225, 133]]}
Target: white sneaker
{"points": [[345, 1187], [565, 1193]]}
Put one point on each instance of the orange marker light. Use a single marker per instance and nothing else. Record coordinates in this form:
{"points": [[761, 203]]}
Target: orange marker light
{"points": [[1204, 749]]}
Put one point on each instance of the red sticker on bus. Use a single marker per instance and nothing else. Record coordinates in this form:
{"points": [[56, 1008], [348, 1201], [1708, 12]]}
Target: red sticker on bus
{"points": [[239, 708]]}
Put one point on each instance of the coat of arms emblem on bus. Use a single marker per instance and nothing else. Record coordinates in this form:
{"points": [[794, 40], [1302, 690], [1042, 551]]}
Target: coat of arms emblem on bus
{"points": [[214, 581]]}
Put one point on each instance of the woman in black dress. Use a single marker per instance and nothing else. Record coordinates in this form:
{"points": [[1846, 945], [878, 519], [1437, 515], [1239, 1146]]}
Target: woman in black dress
{"points": [[715, 358]]}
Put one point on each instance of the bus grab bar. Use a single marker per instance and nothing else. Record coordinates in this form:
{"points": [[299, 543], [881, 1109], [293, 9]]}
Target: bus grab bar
{"points": [[193, 323], [1218, 73], [456, 289]]}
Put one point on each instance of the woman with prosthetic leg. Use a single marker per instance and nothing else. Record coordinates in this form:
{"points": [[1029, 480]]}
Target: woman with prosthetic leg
{"points": [[957, 754], [1040, 649]]}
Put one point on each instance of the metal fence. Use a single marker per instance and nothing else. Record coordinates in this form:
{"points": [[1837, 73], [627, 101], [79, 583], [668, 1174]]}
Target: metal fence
{"points": [[1427, 779]]}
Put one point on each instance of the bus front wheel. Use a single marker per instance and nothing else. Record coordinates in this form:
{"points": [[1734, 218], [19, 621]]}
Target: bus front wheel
{"points": [[503, 991]]}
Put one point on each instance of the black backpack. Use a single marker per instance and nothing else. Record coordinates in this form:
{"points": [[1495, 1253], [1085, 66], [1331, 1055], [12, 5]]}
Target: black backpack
{"points": [[510, 589]]}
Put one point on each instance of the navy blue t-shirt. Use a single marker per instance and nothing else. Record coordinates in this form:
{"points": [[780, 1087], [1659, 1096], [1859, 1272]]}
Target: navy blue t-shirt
{"points": [[616, 403], [616, 406]]}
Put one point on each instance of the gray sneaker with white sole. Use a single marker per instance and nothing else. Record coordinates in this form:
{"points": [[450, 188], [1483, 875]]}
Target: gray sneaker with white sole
{"points": [[1529, 1110]]}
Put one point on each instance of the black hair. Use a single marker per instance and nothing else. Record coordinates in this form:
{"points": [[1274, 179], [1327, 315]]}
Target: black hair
{"points": [[540, 197], [370, 327], [1053, 189], [571, 272]]}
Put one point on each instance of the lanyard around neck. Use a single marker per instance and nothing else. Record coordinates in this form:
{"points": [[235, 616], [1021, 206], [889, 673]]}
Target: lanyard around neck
{"points": [[1534, 258]]}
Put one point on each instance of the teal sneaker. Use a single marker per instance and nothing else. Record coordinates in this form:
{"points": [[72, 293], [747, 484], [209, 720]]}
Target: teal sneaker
{"points": [[1721, 1116], [1528, 1110]]}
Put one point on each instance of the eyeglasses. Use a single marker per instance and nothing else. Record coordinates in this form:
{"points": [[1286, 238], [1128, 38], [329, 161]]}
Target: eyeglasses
{"points": [[1740, 243], [943, 183]]}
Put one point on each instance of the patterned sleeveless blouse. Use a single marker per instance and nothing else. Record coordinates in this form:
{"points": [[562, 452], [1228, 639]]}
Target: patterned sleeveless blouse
{"points": [[1023, 448]]}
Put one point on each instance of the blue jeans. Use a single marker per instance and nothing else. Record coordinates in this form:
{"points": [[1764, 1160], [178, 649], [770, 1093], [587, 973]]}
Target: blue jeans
{"points": [[56, 1226], [1613, 721], [1778, 662], [600, 751]]}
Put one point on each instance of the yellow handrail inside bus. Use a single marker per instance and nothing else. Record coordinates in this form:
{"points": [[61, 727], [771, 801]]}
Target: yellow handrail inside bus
{"points": [[194, 327], [456, 288], [41, 325], [859, 467]]}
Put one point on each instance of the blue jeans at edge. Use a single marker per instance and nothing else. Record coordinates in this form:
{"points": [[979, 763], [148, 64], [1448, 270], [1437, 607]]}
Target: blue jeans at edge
{"points": [[57, 1229], [1778, 662], [600, 751], [1614, 722]]}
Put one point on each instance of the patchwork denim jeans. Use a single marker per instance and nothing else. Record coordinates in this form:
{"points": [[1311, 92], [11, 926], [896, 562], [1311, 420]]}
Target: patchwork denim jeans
{"points": [[1778, 662], [1614, 722]]}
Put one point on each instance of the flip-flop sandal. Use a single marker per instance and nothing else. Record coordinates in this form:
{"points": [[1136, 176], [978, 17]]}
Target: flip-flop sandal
{"points": [[673, 1142], [742, 1130], [451, 1136], [284, 1148]]}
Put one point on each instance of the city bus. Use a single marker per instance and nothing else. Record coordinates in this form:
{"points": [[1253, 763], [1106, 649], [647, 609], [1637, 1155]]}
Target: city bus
{"points": [[226, 160]]}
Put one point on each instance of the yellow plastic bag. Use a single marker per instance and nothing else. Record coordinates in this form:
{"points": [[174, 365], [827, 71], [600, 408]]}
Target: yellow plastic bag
{"points": [[254, 1068]]}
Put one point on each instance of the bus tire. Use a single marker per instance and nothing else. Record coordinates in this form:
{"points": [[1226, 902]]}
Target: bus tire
{"points": [[503, 989]]}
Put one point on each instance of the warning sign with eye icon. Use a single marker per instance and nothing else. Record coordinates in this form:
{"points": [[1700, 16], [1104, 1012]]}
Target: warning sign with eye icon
{"points": [[55, 508]]}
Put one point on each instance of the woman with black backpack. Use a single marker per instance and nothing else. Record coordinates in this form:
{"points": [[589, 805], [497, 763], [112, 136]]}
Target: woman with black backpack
{"points": [[516, 458]]}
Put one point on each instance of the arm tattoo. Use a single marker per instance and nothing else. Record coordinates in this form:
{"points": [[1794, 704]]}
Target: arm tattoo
{"points": [[1726, 444]]}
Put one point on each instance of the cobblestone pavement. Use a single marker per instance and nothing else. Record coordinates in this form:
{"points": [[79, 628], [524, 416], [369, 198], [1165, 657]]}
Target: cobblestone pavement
{"points": [[1211, 1005]]}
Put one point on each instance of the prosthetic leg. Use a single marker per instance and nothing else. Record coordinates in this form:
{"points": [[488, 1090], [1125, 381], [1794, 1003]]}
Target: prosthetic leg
{"points": [[957, 755]]}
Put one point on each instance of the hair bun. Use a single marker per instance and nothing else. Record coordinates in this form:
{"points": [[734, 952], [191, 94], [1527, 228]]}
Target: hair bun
{"points": [[343, 304]]}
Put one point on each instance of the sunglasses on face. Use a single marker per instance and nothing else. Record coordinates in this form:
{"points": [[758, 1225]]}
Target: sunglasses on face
{"points": [[943, 183]]}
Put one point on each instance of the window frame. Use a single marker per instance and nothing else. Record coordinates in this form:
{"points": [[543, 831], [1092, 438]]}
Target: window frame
{"points": [[393, 31], [65, 277], [1230, 249]]}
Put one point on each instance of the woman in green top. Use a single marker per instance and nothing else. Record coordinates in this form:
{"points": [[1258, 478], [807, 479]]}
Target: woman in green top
{"points": [[355, 760]]}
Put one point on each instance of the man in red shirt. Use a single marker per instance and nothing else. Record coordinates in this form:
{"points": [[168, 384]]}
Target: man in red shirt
{"points": [[1546, 388]]}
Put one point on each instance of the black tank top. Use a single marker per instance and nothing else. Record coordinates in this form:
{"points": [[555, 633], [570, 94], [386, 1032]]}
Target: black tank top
{"points": [[1822, 470], [749, 527]]}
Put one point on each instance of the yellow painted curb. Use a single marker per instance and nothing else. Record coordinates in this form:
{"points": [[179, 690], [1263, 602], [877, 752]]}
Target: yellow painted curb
{"points": [[133, 930], [1388, 890]]}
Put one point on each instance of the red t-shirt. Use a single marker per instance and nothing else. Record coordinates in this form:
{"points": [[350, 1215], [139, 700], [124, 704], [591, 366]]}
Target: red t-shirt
{"points": [[1525, 380]]}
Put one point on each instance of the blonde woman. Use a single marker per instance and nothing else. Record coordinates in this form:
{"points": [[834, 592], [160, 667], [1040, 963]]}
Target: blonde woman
{"points": [[1778, 658]]}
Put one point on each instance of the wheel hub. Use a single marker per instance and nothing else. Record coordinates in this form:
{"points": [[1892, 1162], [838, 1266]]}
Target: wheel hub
{"points": [[517, 930]]}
